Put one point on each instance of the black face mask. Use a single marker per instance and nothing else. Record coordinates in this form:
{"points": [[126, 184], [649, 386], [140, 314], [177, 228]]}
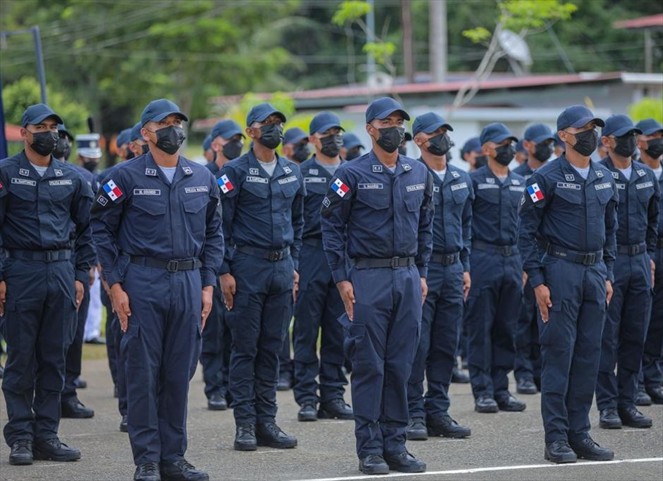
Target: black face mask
{"points": [[44, 142], [300, 153], [144, 149], [62, 149], [129, 154], [586, 142], [169, 139], [271, 135], [480, 161], [232, 149], [331, 145], [391, 138], [543, 151], [439, 145], [654, 148], [625, 145], [504, 154], [353, 153], [90, 165]]}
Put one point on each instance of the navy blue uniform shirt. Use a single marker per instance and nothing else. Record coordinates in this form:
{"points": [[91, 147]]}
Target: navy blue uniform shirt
{"points": [[568, 211], [638, 207], [495, 207], [38, 213], [259, 210], [524, 170], [452, 229], [137, 212], [317, 180], [371, 212]]}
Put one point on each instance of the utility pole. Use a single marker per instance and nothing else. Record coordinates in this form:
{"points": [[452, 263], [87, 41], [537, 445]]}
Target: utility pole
{"points": [[437, 13], [39, 56], [370, 37], [408, 45]]}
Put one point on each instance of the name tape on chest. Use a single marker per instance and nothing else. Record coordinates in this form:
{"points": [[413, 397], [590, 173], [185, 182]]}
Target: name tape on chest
{"points": [[644, 185], [516, 188], [535, 192], [487, 186], [16, 180], [605, 185], [415, 187], [224, 184], [256, 180], [370, 186], [147, 191], [196, 189], [462, 185], [315, 180], [568, 185], [112, 190], [60, 182], [287, 180]]}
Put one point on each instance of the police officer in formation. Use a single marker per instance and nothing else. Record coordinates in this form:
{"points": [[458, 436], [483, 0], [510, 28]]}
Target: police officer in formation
{"points": [[226, 143], [137, 144], [295, 145], [448, 284], [319, 303], [570, 204], [377, 235], [628, 314], [538, 141], [352, 147], [650, 144], [141, 261], [44, 204], [262, 197], [493, 303]]}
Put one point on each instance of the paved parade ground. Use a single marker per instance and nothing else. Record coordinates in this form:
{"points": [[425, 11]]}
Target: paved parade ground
{"points": [[503, 446]]}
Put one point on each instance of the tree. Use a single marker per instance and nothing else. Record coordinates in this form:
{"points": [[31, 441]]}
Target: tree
{"points": [[647, 108]]}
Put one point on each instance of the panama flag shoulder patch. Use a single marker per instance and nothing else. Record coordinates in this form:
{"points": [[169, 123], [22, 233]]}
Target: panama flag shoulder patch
{"points": [[113, 191], [340, 188], [535, 192], [224, 184]]}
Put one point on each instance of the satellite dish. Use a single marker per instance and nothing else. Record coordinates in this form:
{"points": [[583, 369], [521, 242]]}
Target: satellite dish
{"points": [[514, 46]]}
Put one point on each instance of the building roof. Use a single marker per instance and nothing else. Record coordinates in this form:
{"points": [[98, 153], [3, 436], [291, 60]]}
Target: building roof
{"points": [[652, 21]]}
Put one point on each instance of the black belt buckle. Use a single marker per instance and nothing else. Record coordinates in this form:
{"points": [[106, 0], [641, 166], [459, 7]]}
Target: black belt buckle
{"points": [[506, 251], [275, 256], [394, 262], [51, 256], [634, 250], [589, 259], [173, 266]]}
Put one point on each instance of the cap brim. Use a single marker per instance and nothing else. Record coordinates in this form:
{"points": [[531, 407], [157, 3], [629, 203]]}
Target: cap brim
{"points": [[41, 118], [353, 145], [326, 127], [585, 120], [652, 131], [296, 139], [433, 127], [625, 130], [69, 136], [160, 117], [90, 153], [542, 138], [232, 133], [502, 138], [386, 113], [274, 112]]}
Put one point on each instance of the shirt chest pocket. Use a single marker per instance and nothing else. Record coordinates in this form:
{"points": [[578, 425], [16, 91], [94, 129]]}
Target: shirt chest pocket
{"points": [[23, 194], [460, 194], [152, 205], [645, 194], [489, 194], [58, 194], [374, 198], [289, 189], [413, 200], [195, 203], [569, 196], [256, 189], [317, 187]]}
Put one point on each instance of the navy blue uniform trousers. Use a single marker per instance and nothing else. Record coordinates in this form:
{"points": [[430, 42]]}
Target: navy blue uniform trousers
{"points": [[215, 353], [652, 367], [571, 346], [161, 348], [74, 359], [528, 351], [40, 314], [624, 333], [318, 307], [258, 324], [493, 305], [382, 342], [440, 326]]}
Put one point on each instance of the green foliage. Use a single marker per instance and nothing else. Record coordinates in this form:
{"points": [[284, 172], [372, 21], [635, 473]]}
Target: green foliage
{"points": [[350, 11], [517, 15], [25, 92], [477, 35], [381, 51], [647, 108]]}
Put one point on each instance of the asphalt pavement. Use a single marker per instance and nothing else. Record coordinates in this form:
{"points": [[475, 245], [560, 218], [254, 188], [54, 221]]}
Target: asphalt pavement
{"points": [[503, 446]]}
